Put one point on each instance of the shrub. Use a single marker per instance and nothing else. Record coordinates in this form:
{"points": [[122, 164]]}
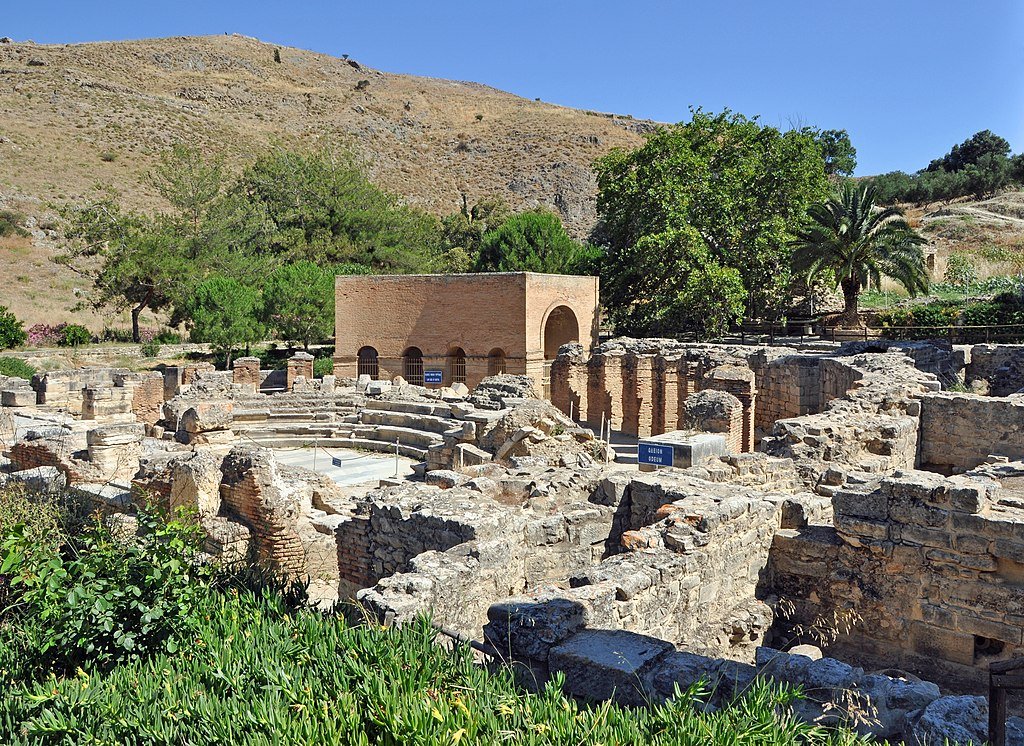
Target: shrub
{"points": [[305, 677], [323, 366], [10, 224], [12, 366], [108, 156], [110, 334], [106, 599], [960, 271], [150, 349], [168, 337], [73, 335], [12, 331], [44, 335]]}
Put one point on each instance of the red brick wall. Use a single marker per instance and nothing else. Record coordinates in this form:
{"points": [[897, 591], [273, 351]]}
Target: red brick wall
{"points": [[438, 313]]}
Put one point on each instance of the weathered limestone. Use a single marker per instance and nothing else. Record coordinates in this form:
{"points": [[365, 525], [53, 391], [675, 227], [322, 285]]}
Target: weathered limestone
{"points": [[932, 566], [961, 431], [115, 450]]}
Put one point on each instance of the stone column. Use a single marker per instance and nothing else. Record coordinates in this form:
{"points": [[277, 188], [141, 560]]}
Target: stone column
{"points": [[299, 365], [247, 373]]}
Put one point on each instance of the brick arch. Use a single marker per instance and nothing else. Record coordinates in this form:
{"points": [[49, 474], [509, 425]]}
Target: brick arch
{"points": [[561, 326]]}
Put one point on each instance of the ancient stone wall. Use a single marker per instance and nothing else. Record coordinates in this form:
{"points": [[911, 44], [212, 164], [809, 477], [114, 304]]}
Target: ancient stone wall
{"points": [[960, 431], [789, 387], [931, 568], [1001, 366]]}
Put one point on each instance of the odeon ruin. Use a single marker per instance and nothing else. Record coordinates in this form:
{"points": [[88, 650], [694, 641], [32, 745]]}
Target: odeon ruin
{"points": [[846, 517]]}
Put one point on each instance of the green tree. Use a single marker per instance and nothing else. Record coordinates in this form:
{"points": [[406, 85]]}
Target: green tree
{"points": [[223, 312], [12, 331], [971, 152], [720, 188], [324, 209], [858, 242], [139, 262], [298, 302], [837, 151], [462, 233], [531, 241], [960, 271]]}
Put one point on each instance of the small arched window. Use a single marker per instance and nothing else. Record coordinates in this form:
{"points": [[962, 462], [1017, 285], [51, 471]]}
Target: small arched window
{"points": [[457, 365], [496, 362], [412, 366], [367, 365]]}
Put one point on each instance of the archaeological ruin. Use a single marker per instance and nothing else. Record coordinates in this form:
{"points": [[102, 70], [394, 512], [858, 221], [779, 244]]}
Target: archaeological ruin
{"points": [[857, 526]]}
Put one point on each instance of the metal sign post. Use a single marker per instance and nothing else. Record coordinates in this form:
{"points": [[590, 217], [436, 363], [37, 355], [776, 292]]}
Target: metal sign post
{"points": [[396, 457]]}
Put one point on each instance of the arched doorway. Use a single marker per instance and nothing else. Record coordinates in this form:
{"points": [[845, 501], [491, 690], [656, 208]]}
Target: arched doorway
{"points": [[367, 363], [496, 362], [412, 366], [457, 365], [560, 328]]}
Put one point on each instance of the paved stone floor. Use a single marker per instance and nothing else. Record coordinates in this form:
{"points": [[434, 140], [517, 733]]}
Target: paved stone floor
{"points": [[357, 467]]}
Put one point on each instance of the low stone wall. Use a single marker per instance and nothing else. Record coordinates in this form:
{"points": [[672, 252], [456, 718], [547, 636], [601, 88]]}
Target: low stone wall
{"points": [[961, 431]]}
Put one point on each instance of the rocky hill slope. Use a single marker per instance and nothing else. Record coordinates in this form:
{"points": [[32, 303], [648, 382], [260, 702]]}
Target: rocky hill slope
{"points": [[72, 116]]}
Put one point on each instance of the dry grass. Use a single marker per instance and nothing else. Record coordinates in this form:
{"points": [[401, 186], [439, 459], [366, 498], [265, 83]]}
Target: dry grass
{"points": [[104, 112]]}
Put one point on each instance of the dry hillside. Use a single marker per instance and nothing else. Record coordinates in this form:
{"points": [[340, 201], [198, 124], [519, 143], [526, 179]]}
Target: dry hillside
{"points": [[990, 231], [75, 115]]}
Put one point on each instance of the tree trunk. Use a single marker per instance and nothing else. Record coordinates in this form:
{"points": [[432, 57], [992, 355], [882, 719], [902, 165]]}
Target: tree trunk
{"points": [[136, 312], [851, 294]]}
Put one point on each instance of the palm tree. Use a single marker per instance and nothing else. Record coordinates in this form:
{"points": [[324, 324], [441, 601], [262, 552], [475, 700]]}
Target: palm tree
{"points": [[857, 241]]}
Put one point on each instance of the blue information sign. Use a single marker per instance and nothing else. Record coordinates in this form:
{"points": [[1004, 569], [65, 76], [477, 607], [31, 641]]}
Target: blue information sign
{"points": [[335, 461], [433, 376], [654, 454]]}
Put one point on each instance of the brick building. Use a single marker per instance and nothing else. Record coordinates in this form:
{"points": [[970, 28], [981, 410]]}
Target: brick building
{"points": [[460, 327]]}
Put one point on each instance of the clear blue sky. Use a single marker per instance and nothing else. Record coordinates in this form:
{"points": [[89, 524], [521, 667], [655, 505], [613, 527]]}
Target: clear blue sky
{"points": [[906, 78]]}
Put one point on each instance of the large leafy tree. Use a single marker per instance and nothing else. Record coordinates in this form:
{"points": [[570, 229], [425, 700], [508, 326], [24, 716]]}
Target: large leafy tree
{"points": [[298, 302], [856, 242], [531, 241], [720, 192], [324, 209], [223, 312], [462, 233], [139, 262]]}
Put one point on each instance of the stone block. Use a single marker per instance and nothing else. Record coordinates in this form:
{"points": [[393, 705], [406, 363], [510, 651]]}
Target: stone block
{"points": [[608, 664], [18, 398], [207, 416], [47, 479], [688, 448]]}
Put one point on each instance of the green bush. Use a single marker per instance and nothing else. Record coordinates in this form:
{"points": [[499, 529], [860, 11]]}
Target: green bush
{"points": [[74, 335], [151, 349], [12, 366], [168, 337], [323, 366], [960, 271], [104, 599], [12, 331]]}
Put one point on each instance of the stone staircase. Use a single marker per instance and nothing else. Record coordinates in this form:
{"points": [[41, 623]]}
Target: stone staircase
{"points": [[344, 421]]}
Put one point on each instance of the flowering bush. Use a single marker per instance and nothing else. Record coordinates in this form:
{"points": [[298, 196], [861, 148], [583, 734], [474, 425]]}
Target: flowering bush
{"points": [[61, 335], [44, 335]]}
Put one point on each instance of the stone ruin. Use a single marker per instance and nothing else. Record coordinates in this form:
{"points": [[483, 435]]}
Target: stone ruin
{"points": [[861, 509]]}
